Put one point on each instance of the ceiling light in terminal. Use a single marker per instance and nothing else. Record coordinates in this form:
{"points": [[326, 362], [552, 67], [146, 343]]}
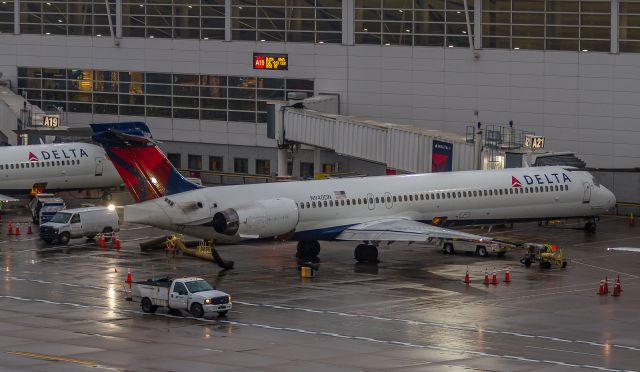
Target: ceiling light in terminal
{"points": [[458, 12], [262, 40], [407, 30], [365, 29], [585, 50], [47, 33], [206, 38], [60, 21], [320, 42], [464, 32], [450, 46], [516, 48], [387, 43], [151, 37], [99, 35], [48, 3]]}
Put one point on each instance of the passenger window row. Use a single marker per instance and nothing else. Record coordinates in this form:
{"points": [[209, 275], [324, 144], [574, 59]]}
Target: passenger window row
{"points": [[40, 164], [434, 195]]}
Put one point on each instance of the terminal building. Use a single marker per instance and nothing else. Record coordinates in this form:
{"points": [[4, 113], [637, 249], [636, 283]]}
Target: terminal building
{"points": [[200, 72]]}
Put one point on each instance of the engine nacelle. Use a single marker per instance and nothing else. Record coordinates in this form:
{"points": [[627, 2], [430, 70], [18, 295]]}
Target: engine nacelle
{"points": [[262, 219]]}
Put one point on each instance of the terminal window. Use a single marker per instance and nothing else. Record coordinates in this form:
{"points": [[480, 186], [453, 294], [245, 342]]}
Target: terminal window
{"points": [[412, 22], [318, 21], [547, 25], [136, 93], [194, 162], [216, 163], [263, 166], [6, 17], [629, 23], [241, 165]]}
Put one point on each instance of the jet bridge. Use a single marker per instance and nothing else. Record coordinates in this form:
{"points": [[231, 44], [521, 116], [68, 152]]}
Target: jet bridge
{"points": [[402, 147]]}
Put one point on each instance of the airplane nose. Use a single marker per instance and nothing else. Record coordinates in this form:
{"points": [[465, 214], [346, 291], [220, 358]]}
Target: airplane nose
{"points": [[611, 200]]}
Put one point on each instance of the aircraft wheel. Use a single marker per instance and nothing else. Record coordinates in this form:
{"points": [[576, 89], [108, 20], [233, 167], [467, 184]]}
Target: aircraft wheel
{"points": [[371, 253], [308, 249], [358, 253], [590, 227], [448, 248]]}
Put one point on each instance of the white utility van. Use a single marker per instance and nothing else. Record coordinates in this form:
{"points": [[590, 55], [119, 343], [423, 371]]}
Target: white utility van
{"points": [[76, 223]]}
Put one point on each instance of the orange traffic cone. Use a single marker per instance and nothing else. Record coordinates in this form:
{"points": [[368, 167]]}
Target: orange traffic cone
{"points": [[616, 289], [486, 277], [117, 243], [29, 230], [128, 281], [466, 276], [10, 228], [17, 230], [601, 291], [115, 269], [507, 276], [618, 282], [606, 285], [494, 278], [101, 242]]}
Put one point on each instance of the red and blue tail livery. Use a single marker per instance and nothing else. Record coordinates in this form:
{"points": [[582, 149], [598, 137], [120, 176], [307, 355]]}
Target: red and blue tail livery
{"points": [[143, 167]]}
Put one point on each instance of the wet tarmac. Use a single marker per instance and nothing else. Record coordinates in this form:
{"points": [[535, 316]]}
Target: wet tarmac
{"points": [[63, 308]]}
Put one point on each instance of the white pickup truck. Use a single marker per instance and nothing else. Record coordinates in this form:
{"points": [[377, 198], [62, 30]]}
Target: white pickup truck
{"points": [[192, 294]]}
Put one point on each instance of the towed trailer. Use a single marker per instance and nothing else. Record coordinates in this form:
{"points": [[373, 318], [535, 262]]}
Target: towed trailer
{"points": [[482, 249]]}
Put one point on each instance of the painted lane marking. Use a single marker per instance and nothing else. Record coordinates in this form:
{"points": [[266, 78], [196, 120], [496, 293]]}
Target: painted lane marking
{"points": [[439, 325], [53, 358], [457, 327], [579, 262], [327, 334], [563, 350]]}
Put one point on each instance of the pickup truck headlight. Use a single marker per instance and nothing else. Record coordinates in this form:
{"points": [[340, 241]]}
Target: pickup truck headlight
{"points": [[55, 231], [208, 301]]}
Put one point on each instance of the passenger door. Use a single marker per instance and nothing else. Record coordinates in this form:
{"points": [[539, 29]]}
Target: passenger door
{"points": [[586, 198], [99, 166], [76, 225], [179, 296]]}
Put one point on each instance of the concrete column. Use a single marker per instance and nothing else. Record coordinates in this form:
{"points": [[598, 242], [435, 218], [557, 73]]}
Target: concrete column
{"points": [[477, 24], [477, 146], [615, 25], [16, 17], [227, 20], [118, 19], [317, 165], [282, 163], [348, 16]]}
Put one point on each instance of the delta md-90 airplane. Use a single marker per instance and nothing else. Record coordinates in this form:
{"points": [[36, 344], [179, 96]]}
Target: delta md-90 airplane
{"points": [[54, 167], [368, 210]]}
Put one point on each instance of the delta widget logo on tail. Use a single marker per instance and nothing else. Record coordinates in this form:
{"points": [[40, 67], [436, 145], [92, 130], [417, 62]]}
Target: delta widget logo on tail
{"points": [[541, 179]]}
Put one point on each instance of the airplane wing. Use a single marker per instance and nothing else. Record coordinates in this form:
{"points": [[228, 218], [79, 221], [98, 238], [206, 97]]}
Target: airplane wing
{"points": [[398, 229], [626, 249], [5, 198]]}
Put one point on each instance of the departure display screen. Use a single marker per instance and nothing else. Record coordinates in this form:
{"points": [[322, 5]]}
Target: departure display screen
{"points": [[268, 61]]}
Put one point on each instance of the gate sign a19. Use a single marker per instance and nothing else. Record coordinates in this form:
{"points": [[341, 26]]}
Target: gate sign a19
{"points": [[442, 156], [269, 61]]}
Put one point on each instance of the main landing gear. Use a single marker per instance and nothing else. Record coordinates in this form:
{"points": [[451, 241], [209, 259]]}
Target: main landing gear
{"points": [[366, 253]]}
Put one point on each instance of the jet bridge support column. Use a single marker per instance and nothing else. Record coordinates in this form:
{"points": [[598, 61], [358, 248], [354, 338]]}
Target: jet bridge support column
{"points": [[317, 165], [275, 130], [477, 146]]}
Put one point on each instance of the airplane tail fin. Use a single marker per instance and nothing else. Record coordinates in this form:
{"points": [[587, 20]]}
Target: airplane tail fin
{"points": [[145, 170]]}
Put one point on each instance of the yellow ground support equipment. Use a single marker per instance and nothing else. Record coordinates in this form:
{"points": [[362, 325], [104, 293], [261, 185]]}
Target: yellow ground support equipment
{"points": [[204, 250], [545, 254]]}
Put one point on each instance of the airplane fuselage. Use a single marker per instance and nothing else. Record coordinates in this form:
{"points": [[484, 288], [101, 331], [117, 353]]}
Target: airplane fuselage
{"points": [[65, 166], [326, 207]]}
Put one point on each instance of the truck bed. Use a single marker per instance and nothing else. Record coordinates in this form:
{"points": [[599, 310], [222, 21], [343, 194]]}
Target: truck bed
{"points": [[157, 290]]}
